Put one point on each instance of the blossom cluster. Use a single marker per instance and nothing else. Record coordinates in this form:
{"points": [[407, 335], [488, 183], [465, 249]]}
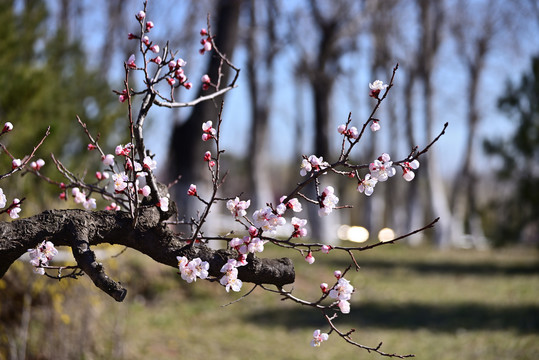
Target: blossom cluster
{"points": [[230, 279], [41, 255], [248, 244], [318, 337], [328, 201], [312, 163], [237, 207], [342, 292], [190, 270]]}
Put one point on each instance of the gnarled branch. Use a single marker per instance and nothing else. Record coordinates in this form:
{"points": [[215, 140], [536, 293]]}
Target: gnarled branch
{"points": [[82, 229]]}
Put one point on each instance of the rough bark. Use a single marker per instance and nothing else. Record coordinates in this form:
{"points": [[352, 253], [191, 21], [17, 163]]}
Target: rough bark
{"points": [[81, 229]]}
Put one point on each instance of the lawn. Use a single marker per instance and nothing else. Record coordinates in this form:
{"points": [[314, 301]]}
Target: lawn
{"points": [[436, 305]]}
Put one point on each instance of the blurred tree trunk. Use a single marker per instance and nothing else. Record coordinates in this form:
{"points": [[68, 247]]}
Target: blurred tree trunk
{"points": [[431, 15], [336, 25], [473, 47], [262, 48], [186, 150]]}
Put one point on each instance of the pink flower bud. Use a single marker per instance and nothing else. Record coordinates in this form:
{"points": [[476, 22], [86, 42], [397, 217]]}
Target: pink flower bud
{"points": [[7, 127], [188, 85], [157, 60], [375, 126], [140, 15], [146, 40], [207, 46], [324, 287], [16, 163], [171, 81], [205, 78], [207, 156], [149, 25], [155, 48], [341, 129], [211, 163], [309, 258], [326, 248], [192, 190], [337, 274], [203, 32], [131, 62], [253, 231]]}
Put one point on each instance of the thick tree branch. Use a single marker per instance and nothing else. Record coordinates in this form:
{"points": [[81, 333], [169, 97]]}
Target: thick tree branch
{"points": [[81, 229]]}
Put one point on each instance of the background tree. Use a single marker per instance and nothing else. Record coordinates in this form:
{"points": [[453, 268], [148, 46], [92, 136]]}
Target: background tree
{"points": [[512, 215], [44, 75]]}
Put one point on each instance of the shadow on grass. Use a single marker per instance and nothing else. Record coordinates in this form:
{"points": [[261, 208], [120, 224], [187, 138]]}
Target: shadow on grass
{"points": [[448, 268], [436, 318]]}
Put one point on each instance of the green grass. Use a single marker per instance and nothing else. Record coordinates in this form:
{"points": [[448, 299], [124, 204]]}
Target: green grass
{"points": [[436, 305]]}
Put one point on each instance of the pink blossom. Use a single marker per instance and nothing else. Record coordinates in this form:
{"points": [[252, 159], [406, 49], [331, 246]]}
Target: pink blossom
{"points": [[310, 258], [181, 62], [293, 204], [318, 338], [3, 199], [341, 129], [207, 46], [376, 87], [326, 249], [14, 209], [89, 204], [230, 279], [41, 255], [267, 220], [328, 201], [408, 174], [342, 290], [238, 208], [120, 181], [145, 191], [163, 204], [375, 126], [192, 190], [108, 160], [299, 227], [382, 168], [154, 48], [149, 163], [367, 185], [190, 270], [344, 306]]}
